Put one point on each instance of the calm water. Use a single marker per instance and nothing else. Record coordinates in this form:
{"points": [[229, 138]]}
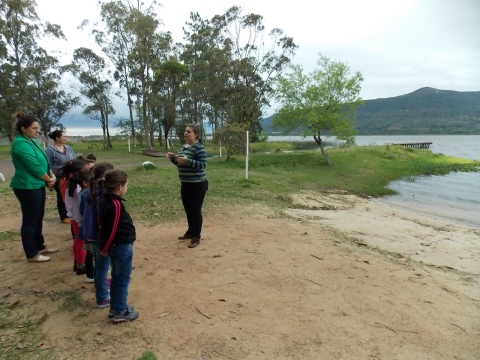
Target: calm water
{"points": [[455, 196]]}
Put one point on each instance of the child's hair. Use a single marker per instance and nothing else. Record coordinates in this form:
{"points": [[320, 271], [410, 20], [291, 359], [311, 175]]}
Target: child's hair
{"points": [[81, 177], [97, 171], [111, 180], [91, 157], [70, 169]]}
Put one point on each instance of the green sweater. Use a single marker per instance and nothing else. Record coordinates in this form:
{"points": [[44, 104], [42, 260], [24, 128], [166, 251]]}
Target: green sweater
{"points": [[30, 163]]}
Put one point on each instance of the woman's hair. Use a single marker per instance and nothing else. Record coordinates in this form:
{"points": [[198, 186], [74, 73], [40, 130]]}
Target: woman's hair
{"points": [[70, 169], [97, 171], [54, 135], [23, 120], [108, 184], [196, 130]]}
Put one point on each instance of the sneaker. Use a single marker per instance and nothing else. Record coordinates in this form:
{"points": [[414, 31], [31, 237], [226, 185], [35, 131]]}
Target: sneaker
{"points": [[89, 280], [39, 258], [103, 304], [66, 221], [125, 317], [111, 313], [48, 251]]}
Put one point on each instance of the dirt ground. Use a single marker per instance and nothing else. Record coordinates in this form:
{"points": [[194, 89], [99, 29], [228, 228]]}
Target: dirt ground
{"points": [[341, 277]]}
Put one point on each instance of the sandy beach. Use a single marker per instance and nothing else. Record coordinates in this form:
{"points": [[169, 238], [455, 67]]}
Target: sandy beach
{"points": [[334, 277]]}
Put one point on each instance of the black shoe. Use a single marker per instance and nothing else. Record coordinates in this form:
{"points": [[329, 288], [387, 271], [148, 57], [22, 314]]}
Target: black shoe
{"points": [[74, 266], [186, 236], [81, 269], [194, 243]]}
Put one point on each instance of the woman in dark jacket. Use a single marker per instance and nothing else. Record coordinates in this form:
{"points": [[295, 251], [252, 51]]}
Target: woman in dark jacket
{"points": [[58, 154]]}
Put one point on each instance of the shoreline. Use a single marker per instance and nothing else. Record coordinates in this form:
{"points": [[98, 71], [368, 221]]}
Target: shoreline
{"points": [[424, 239]]}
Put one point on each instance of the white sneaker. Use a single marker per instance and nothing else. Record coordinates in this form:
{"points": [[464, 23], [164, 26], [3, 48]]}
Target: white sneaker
{"points": [[39, 258], [48, 251], [89, 280]]}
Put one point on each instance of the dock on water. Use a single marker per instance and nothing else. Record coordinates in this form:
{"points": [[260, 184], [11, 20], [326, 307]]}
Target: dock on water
{"points": [[417, 145]]}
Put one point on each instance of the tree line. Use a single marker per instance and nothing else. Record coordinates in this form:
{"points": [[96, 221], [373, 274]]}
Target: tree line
{"points": [[225, 74]]}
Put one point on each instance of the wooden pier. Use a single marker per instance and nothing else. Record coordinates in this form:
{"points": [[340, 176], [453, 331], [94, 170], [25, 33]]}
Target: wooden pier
{"points": [[417, 145]]}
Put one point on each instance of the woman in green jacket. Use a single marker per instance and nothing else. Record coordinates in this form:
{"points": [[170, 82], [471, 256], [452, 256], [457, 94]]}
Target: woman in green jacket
{"points": [[32, 174]]}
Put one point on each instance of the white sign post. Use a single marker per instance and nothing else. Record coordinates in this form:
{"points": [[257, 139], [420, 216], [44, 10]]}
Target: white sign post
{"points": [[246, 159]]}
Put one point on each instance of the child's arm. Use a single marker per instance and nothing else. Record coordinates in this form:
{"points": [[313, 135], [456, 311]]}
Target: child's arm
{"points": [[111, 219]]}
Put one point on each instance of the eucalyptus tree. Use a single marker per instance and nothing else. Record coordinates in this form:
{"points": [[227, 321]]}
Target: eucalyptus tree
{"points": [[117, 42], [170, 76], [48, 101], [322, 102], [257, 59], [150, 49], [94, 77], [20, 29], [201, 43]]}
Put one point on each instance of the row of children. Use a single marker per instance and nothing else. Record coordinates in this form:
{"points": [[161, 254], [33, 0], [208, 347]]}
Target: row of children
{"points": [[103, 232]]}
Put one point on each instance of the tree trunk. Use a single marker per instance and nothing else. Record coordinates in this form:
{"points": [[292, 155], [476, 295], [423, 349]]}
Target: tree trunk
{"points": [[319, 141]]}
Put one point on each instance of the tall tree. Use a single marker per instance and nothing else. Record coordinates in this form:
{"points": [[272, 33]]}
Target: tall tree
{"points": [[49, 102], [322, 102], [169, 79], [90, 70], [257, 59], [117, 42], [20, 29]]}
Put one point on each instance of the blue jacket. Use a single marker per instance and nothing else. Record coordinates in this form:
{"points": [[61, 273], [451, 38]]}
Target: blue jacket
{"points": [[57, 159], [89, 209]]}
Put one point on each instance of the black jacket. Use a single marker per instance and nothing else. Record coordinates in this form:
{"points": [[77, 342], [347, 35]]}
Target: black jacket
{"points": [[116, 225]]}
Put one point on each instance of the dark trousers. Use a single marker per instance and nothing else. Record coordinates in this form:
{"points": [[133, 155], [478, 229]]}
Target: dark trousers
{"points": [[193, 195], [62, 212], [32, 203]]}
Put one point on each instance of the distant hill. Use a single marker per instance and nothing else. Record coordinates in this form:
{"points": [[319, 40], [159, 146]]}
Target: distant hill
{"points": [[424, 111]]}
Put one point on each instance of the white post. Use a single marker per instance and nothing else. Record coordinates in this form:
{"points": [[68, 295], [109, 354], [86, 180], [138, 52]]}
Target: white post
{"points": [[246, 159], [220, 148], [128, 137]]}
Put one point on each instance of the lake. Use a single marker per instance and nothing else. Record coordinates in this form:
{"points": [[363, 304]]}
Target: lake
{"points": [[455, 196]]}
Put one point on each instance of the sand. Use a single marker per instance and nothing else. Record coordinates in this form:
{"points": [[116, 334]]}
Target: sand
{"points": [[334, 277]]}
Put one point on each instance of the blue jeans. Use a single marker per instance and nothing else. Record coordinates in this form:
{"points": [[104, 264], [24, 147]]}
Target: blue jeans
{"points": [[121, 256], [32, 203], [101, 267]]}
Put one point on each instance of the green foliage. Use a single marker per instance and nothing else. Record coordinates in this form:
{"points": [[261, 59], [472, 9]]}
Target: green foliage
{"points": [[148, 355], [319, 103], [232, 138]]}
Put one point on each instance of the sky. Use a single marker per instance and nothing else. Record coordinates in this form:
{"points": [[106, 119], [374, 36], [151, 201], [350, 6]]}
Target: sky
{"points": [[398, 46]]}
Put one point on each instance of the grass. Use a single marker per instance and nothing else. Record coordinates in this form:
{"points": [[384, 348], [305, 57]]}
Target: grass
{"points": [[154, 195]]}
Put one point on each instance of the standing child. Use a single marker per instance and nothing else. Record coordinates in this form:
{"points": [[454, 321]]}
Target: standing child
{"points": [[83, 180], [91, 231], [72, 204], [117, 235]]}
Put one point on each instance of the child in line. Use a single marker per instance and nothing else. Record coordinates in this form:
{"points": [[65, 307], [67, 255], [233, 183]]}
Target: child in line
{"points": [[72, 204], [83, 180], [117, 234], [91, 231]]}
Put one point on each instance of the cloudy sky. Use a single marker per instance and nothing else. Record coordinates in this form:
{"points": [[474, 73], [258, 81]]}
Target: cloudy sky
{"points": [[398, 45]]}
